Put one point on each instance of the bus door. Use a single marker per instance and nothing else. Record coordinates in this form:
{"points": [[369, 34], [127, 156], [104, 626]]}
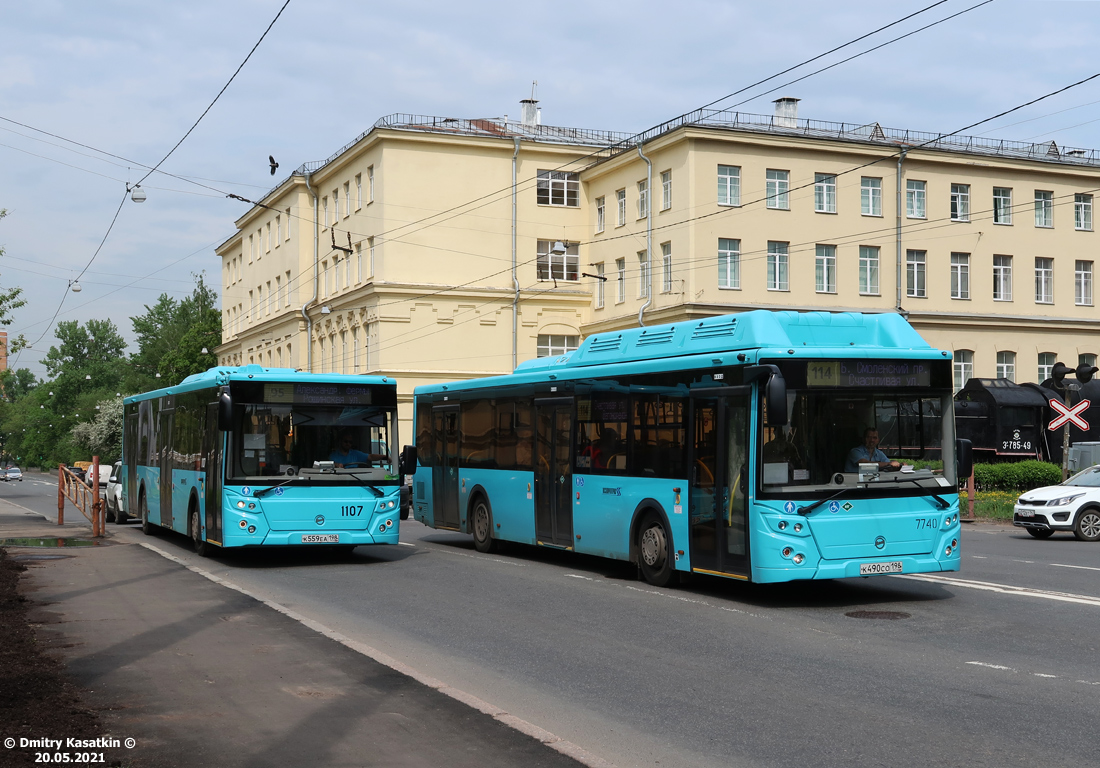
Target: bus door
{"points": [[212, 440], [130, 446], [720, 479], [445, 470], [554, 472], [165, 462]]}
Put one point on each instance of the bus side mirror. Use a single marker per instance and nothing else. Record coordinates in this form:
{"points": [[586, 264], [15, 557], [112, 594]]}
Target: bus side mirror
{"points": [[964, 458], [775, 392], [407, 463], [225, 412]]}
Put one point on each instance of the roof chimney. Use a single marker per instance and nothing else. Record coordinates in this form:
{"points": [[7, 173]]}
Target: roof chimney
{"points": [[786, 112], [529, 112]]}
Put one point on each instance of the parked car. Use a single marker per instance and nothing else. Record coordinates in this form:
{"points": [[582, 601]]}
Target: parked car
{"points": [[104, 476], [78, 471], [13, 473], [1072, 506], [115, 512]]}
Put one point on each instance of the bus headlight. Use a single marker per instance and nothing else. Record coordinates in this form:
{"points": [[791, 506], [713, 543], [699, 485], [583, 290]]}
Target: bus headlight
{"points": [[954, 543], [243, 523], [782, 525], [948, 552], [787, 551], [240, 505], [389, 523], [798, 527], [798, 559], [251, 529]]}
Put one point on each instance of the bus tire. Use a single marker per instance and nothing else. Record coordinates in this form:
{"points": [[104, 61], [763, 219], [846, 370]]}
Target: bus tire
{"points": [[146, 527], [482, 526], [194, 527], [654, 551]]}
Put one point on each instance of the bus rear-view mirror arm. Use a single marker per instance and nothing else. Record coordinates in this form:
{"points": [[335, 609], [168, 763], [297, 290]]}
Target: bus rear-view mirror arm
{"points": [[775, 392]]}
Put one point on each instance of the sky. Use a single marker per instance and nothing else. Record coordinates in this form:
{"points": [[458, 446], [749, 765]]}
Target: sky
{"points": [[131, 78]]}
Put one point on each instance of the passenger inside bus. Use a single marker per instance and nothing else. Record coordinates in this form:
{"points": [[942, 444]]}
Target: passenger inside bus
{"points": [[603, 449]]}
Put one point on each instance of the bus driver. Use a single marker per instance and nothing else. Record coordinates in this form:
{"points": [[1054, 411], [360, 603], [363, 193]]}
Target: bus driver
{"points": [[869, 452]]}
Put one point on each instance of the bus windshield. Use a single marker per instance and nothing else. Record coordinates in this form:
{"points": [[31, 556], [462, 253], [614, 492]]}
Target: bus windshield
{"points": [[319, 442], [840, 437]]}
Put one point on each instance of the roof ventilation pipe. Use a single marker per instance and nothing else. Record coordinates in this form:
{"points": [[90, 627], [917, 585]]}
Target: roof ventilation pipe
{"points": [[786, 112]]}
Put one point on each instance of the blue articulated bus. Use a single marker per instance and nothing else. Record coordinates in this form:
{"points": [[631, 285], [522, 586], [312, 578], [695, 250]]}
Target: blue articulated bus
{"points": [[762, 446], [252, 456]]}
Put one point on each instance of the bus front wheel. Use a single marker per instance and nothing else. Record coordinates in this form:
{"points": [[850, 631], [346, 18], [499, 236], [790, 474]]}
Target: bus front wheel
{"points": [[483, 527], [146, 527], [653, 551], [202, 548]]}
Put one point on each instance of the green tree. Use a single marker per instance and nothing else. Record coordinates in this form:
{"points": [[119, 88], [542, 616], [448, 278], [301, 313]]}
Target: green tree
{"points": [[17, 383], [85, 366], [171, 336], [102, 435]]}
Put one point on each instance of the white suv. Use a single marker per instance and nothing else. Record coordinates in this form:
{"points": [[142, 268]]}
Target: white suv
{"points": [[1073, 505], [115, 512]]}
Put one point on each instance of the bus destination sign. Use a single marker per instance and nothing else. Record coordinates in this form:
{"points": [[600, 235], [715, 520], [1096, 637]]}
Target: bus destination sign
{"points": [[297, 393], [868, 373]]}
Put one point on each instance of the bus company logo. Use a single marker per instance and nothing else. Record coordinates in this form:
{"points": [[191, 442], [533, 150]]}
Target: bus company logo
{"points": [[320, 519], [880, 542], [613, 491]]}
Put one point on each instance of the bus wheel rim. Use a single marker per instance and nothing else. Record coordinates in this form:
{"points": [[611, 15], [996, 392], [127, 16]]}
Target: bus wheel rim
{"points": [[653, 546]]}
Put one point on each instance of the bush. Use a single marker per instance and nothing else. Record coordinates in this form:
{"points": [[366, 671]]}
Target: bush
{"points": [[1016, 476]]}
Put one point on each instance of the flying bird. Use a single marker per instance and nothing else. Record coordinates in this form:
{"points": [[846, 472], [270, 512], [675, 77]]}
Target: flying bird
{"points": [[274, 165]]}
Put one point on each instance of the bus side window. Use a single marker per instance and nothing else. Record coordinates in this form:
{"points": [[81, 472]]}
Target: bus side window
{"points": [[424, 444]]}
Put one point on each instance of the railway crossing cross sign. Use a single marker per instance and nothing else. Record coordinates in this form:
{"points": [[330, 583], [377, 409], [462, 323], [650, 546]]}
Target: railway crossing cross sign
{"points": [[1069, 414]]}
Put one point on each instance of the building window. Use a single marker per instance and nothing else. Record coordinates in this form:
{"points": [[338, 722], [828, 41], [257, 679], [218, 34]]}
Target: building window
{"points": [[620, 201], [1082, 283], [963, 367], [559, 188], [777, 187], [335, 274], [868, 270], [729, 263], [729, 185], [347, 199], [1044, 281], [915, 200], [370, 184], [251, 248], [960, 275], [278, 291], [288, 288], [370, 257], [358, 191], [825, 269], [278, 230], [1044, 209], [359, 262], [1046, 365], [643, 275], [643, 199], [1085, 359], [267, 300], [251, 306], [1082, 212], [915, 262], [778, 266], [1006, 365], [355, 349], [600, 281], [335, 205], [870, 196], [824, 193], [324, 279], [666, 267], [599, 214], [551, 345], [960, 202], [620, 280], [1002, 205], [666, 190], [1002, 278], [288, 224], [324, 204], [557, 266]]}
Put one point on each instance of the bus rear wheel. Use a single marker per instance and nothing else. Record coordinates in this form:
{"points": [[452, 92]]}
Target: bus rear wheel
{"points": [[654, 560], [202, 548], [483, 527], [146, 527]]}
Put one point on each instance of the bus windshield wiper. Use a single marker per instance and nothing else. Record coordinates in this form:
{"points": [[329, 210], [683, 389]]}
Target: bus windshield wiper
{"points": [[271, 488], [811, 507], [941, 502], [377, 491]]}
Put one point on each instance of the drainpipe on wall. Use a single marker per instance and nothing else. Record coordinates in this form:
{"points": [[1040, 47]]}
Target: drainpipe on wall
{"points": [[648, 235], [515, 279], [305, 307], [897, 233]]}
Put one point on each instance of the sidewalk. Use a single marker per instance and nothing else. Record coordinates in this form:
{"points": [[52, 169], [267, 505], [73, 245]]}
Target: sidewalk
{"points": [[202, 675]]}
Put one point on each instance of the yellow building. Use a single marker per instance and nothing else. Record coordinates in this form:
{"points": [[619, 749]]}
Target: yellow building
{"points": [[432, 249]]}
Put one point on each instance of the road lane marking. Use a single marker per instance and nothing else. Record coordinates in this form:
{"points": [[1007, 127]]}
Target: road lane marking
{"points": [[1082, 567], [991, 666], [556, 743], [1064, 597], [1002, 668], [405, 544]]}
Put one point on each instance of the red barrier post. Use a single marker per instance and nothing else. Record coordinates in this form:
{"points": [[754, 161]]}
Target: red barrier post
{"points": [[60, 494]]}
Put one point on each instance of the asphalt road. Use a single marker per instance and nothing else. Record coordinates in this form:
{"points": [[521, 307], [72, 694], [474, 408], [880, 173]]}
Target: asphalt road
{"points": [[994, 666]]}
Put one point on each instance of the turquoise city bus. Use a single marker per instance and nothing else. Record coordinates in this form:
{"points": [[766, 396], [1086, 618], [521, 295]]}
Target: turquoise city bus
{"points": [[253, 456], [734, 445]]}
